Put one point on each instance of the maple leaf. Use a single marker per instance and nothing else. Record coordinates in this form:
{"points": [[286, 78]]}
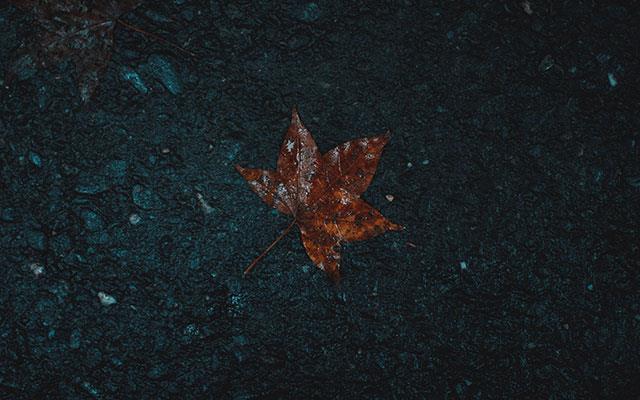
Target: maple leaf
{"points": [[322, 193], [81, 30]]}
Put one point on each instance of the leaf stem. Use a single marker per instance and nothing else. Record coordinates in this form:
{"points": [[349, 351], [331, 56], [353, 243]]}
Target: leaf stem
{"points": [[264, 253]]}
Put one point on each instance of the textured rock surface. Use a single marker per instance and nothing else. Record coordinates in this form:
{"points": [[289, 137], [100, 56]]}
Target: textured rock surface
{"points": [[512, 154]]}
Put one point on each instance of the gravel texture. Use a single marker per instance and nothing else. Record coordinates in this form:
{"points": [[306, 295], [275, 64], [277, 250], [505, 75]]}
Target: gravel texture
{"points": [[514, 164]]}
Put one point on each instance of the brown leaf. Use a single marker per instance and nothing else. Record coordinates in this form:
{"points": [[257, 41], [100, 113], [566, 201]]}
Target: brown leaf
{"points": [[80, 30], [322, 193]]}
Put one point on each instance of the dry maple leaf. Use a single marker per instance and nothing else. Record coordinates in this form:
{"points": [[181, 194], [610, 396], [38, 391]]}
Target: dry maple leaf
{"points": [[81, 30], [322, 193]]}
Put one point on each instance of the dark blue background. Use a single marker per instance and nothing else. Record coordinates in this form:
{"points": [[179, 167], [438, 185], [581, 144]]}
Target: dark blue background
{"points": [[514, 164]]}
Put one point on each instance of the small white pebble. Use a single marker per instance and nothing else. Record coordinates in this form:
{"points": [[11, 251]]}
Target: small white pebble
{"points": [[105, 299], [134, 219], [203, 203], [425, 162], [409, 165], [389, 197], [165, 150], [612, 79], [463, 265], [37, 269]]}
